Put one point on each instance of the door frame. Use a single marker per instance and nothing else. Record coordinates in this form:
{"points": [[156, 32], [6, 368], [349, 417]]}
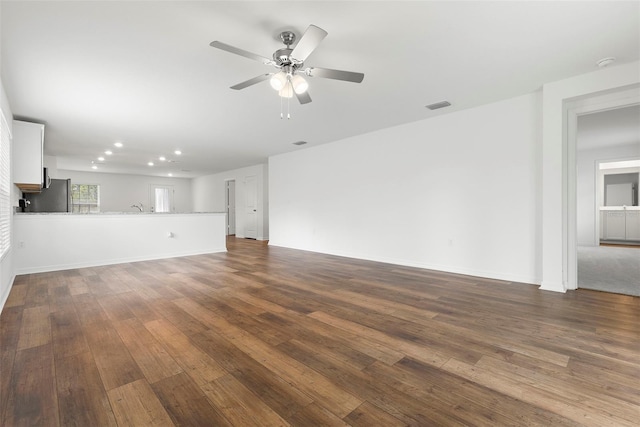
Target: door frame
{"points": [[254, 211], [589, 105], [227, 206]]}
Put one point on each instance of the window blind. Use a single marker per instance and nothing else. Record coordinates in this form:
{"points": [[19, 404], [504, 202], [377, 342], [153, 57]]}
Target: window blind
{"points": [[5, 186]]}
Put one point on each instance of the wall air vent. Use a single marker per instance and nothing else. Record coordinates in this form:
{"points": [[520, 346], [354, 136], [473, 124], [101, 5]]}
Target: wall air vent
{"points": [[299, 143], [438, 105]]}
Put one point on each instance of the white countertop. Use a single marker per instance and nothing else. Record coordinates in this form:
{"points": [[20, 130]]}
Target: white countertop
{"points": [[620, 208], [118, 213]]}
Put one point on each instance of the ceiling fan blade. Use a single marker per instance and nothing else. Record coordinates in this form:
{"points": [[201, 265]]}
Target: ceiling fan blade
{"points": [[327, 73], [241, 52], [303, 97], [308, 42], [252, 81]]}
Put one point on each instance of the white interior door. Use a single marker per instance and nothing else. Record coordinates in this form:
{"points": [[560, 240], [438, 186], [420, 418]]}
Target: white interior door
{"points": [[251, 218], [231, 207], [161, 198]]}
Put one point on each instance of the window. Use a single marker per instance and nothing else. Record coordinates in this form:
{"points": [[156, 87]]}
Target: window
{"points": [[5, 187], [85, 198]]}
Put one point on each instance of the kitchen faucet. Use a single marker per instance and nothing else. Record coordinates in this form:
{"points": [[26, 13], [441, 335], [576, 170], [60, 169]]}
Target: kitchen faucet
{"points": [[140, 208]]}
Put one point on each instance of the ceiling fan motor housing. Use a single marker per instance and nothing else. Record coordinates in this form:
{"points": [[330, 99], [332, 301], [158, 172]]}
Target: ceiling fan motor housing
{"points": [[282, 57]]}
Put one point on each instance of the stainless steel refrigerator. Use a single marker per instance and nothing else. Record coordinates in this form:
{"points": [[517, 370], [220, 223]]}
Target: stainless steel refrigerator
{"points": [[56, 198]]}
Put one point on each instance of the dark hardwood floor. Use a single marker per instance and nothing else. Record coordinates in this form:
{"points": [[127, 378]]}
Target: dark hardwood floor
{"points": [[266, 336]]}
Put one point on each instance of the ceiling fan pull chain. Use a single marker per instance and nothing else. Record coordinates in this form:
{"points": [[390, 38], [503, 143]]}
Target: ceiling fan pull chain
{"points": [[281, 113], [289, 103]]}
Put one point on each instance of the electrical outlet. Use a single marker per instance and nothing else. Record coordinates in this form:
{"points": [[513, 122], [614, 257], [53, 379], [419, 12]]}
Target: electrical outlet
{"points": [[21, 245]]}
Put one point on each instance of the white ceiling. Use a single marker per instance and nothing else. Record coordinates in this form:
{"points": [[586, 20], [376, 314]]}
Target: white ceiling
{"points": [[143, 72]]}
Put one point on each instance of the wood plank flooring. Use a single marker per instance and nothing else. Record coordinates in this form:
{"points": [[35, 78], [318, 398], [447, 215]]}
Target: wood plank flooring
{"points": [[267, 336]]}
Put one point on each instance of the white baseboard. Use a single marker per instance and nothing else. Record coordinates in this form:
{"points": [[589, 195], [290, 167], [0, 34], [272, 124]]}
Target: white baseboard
{"points": [[72, 266], [553, 287], [5, 296], [429, 266]]}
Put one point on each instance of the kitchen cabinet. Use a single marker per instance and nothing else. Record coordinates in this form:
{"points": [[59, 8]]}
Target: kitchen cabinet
{"points": [[28, 144], [620, 223], [632, 226]]}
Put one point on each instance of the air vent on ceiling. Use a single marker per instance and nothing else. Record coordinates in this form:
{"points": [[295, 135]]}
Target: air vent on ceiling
{"points": [[299, 143], [438, 105]]}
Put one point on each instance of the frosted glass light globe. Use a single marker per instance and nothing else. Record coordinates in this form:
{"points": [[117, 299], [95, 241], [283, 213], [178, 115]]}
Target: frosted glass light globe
{"points": [[300, 85], [279, 80], [286, 92]]}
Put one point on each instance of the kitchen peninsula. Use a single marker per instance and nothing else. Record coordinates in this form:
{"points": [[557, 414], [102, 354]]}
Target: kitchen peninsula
{"points": [[61, 241]]}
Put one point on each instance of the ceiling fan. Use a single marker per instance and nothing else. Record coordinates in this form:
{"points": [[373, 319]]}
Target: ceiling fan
{"points": [[290, 62]]}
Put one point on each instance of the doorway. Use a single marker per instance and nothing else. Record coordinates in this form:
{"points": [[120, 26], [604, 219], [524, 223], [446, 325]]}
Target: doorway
{"points": [[251, 217], [607, 250], [161, 198], [230, 204]]}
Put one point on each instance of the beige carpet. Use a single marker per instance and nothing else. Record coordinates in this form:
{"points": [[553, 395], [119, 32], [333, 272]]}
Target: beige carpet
{"points": [[609, 269]]}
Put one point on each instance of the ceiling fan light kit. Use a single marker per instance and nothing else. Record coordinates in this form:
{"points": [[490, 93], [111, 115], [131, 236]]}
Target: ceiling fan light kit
{"points": [[288, 80], [286, 92], [278, 80], [299, 84]]}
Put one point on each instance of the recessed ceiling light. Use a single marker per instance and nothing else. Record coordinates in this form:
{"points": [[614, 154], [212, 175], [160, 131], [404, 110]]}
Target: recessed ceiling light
{"points": [[150, 163], [169, 174], [94, 167], [118, 144], [162, 158], [108, 152], [177, 152], [101, 159]]}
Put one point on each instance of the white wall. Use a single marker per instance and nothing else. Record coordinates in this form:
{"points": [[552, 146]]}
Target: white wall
{"points": [[587, 182], [458, 192], [119, 191], [49, 242], [209, 196], [51, 163]]}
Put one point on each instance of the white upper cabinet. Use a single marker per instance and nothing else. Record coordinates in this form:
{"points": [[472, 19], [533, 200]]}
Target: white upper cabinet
{"points": [[28, 144]]}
